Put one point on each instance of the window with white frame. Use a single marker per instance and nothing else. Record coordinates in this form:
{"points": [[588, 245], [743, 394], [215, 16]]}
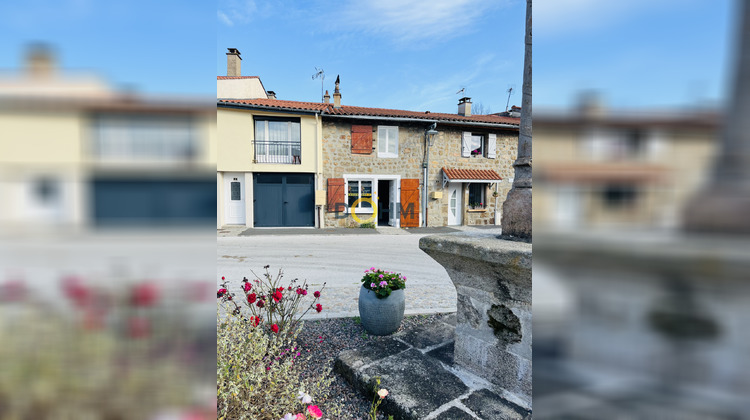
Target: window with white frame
{"points": [[387, 141], [277, 140], [143, 137], [477, 196], [358, 189], [478, 145]]}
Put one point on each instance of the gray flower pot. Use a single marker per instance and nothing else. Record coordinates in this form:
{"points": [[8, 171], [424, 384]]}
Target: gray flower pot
{"points": [[381, 316]]}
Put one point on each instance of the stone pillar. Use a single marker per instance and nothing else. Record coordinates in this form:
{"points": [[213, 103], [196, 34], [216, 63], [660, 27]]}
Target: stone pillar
{"points": [[516, 220], [493, 319], [723, 205]]}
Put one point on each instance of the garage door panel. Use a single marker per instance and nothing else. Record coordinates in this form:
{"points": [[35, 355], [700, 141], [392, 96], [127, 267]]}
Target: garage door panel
{"points": [[284, 200]]}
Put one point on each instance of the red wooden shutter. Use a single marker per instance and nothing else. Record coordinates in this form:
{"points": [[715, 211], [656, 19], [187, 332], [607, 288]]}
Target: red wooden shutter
{"points": [[409, 202], [336, 197], [362, 139]]}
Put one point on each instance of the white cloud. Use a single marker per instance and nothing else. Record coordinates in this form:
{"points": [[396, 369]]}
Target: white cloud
{"points": [[411, 21], [236, 11], [555, 17], [224, 18]]}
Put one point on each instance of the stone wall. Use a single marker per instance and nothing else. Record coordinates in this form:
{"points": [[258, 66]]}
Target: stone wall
{"points": [[493, 318], [445, 152]]}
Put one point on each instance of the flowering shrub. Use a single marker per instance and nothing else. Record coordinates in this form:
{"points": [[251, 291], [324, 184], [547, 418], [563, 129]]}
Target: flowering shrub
{"points": [[261, 376], [279, 307], [105, 356], [383, 282], [380, 394]]}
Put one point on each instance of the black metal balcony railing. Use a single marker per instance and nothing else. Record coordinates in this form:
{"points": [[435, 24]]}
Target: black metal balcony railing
{"points": [[288, 152]]}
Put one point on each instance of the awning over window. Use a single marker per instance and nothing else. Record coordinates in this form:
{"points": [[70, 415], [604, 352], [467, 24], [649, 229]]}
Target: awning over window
{"points": [[470, 175]]}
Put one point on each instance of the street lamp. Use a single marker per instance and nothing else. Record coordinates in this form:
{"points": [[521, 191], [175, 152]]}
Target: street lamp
{"points": [[429, 138]]}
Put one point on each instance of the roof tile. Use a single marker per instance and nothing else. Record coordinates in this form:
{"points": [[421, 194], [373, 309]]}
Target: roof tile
{"points": [[472, 174], [348, 110]]}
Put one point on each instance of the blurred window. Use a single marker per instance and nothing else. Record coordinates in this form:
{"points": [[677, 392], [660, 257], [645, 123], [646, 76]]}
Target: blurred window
{"points": [[616, 196], [143, 137], [46, 190]]}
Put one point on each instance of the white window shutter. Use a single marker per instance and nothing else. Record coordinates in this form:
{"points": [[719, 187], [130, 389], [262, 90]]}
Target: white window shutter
{"points": [[466, 144], [491, 146], [656, 146]]}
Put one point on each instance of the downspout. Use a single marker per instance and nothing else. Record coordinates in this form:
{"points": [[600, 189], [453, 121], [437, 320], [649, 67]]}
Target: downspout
{"points": [[319, 166], [426, 169]]}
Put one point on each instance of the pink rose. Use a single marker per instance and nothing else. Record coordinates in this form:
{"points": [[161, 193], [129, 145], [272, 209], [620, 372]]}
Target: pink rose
{"points": [[314, 411]]}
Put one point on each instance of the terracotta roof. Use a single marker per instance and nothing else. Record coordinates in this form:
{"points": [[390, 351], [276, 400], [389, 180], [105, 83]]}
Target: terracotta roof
{"points": [[278, 104], [347, 110], [235, 77], [472, 174]]}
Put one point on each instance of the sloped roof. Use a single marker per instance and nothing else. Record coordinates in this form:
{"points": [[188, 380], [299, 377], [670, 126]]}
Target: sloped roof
{"points": [[235, 77], [348, 110], [472, 174]]}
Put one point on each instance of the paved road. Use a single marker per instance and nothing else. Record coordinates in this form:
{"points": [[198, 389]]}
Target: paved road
{"points": [[340, 261]]}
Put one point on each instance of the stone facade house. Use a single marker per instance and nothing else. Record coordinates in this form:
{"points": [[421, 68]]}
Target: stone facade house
{"points": [[600, 169], [406, 169], [357, 165]]}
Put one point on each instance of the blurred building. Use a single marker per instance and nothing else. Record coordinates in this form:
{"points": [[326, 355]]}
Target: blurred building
{"points": [[602, 169], [77, 153]]}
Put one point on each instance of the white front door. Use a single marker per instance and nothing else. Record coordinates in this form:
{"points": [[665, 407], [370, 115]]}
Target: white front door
{"points": [[234, 197], [455, 203], [393, 217]]}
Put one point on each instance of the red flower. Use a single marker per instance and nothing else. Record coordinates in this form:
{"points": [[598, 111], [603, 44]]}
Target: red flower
{"points": [[277, 296], [222, 277], [316, 294], [290, 288], [275, 328], [318, 307], [314, 411], [251, 298], [76, 291], [247, 286], [260, 303], [221, 293], [304, 292], [299, 291], [254, 320], [138, 327]]}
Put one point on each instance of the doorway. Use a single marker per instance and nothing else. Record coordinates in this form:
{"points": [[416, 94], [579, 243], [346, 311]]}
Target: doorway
{"points": [[384, 202]]}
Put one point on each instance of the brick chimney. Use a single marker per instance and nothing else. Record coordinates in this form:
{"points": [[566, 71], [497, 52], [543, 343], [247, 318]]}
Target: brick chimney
{"points": [[271, 94], [233, 62], [40, 61], [464, 106], [337, 95], [327, 98]]}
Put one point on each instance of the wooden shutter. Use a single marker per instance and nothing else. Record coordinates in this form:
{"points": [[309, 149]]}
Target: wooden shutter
{"points": [[362, 139], [410, 203], [336, 195], [491, 146], [466, 144]]}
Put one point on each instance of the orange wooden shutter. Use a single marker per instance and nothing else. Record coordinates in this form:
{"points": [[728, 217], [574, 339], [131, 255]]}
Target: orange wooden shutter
{"points": [[362, 139], [336, 195], [409, 203]]}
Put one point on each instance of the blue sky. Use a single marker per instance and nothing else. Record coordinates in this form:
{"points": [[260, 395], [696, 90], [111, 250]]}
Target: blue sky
{"points": [[155, 46], [636, 53], [389, 54]]}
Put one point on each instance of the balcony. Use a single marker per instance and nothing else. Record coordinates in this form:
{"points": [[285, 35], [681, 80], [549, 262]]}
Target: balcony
{"points": [[283, 152]]}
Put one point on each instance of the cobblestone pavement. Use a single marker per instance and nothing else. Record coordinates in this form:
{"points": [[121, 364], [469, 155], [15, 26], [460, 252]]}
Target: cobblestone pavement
{"points": [[340, 261]]}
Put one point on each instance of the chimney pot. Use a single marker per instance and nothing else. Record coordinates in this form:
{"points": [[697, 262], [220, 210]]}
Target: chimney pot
{"points": [[234, 62], [40, 60], [337, 94], [271, 94], [464, 106], [327, 98]]}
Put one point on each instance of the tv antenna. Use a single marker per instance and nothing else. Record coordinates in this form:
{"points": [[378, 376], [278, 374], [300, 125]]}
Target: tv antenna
{"points": [[461, 91], [510, 92], [320, 73]]}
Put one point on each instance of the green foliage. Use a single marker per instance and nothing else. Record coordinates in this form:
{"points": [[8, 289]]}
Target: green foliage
{"points": [[368, 225], [374, 278], [260, 374], [357, 320]]}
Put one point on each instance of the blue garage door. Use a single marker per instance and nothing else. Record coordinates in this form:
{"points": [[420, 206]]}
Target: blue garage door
{"points": [[284, 200], [164, 202]]}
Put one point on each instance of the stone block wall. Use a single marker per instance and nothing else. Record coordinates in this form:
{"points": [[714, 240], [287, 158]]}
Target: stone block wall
{"points": [[493, 319], [445, 152]]}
